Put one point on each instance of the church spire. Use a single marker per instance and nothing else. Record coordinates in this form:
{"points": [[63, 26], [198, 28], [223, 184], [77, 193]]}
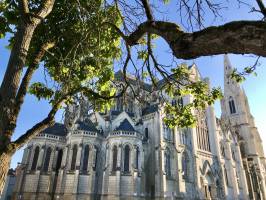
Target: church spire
{"points": [[227, 69]]}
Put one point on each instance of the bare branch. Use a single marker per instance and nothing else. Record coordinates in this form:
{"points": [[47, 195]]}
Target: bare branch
{"points": [[237, 37], [262, 7], [147, 9]]}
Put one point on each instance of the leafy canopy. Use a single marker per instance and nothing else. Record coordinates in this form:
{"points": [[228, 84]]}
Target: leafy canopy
{"points": [[82, 60]]}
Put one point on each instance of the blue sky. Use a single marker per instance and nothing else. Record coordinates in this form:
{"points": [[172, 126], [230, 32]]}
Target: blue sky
{"points": [[211, 66]]}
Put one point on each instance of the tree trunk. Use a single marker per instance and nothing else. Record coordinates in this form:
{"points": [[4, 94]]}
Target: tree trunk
{"points": [[12, 77], [17, 59], [5, 159], [8, 91]]}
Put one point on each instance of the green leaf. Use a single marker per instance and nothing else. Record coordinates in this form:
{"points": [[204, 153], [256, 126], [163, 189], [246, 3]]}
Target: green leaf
{"points": [[40, 91]]}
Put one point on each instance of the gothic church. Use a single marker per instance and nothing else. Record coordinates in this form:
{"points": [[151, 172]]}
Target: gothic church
{"points": [[128, 153]]}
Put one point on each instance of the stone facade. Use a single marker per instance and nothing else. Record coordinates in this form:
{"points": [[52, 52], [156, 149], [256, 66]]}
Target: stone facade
{"points": [[128, 153]]}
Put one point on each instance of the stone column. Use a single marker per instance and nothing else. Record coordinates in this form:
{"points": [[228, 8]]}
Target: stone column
{"points": [[69, 157], [77, 168], [25, 156], [241, 174], [132, 159], [40, 158], [231, 170], [107, 169], [260, 175], [64, 158], [30, 158], [64, 169], [78, 160], [211, 122], [54, 159]]}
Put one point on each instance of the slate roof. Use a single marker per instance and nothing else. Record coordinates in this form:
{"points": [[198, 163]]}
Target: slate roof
{"points": [[150, 109], [125, 126], [86, 126], [117, 112], [57, 129]]}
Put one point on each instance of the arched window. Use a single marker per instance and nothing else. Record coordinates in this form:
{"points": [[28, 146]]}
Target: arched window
{"points": [[185, 164], [74, 157], [167, 132], [242, 150], [226, 176], [146, 133], [126, 158], [85, 158], [167, 162], [203, 140], [232, 105], [114, 164], [233, 153], [47, 159], [35, 158], [183, 136], [137, 158], [59, 160], [96, 152]]}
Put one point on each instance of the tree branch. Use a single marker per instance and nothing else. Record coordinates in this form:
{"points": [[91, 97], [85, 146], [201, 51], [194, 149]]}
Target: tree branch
{"points": [[28, 75], [24, 6], [147, 9], [49, 120], [45, 9], [45, 123], [262, 7], [237, 37]]}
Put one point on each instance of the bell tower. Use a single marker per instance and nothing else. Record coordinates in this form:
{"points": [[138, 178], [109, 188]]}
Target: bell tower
{"points": [[236, 116]]}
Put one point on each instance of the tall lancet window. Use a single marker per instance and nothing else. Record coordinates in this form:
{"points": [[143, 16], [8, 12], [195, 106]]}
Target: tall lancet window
{"points": [[114, 164], [202, 132], [126, 158], [85, 158], [59, 160], [47, 159], [232, 105], [185, 164], [167, 163], [74, 157], [137, 158], [96, 154], [35, 158]]}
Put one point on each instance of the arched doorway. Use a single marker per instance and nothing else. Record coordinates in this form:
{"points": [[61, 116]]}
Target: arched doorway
{"points": [[210, 186]]}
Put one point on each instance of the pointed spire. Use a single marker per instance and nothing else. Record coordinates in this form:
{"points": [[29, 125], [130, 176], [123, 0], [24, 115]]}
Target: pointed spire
{"points": [[227, 69]]}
